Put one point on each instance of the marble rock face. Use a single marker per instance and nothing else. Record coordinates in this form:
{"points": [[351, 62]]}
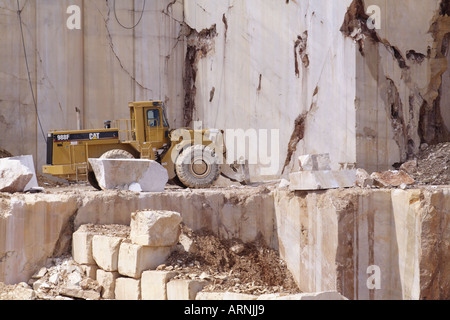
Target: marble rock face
{"points": [[298, 77]]}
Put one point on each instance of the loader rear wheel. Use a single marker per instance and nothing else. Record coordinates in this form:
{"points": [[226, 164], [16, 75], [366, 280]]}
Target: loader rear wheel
{"points": [[197, 167]]}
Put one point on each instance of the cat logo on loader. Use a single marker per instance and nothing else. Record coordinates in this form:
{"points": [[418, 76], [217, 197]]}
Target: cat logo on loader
{"points": [[146, 135]]}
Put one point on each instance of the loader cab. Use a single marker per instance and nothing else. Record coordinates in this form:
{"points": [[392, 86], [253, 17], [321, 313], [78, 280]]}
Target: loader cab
{"points": [[150, 123]]}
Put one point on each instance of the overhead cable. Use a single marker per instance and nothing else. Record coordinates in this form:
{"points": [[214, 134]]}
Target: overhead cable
{"points": [[137, 23], [19, 12]]}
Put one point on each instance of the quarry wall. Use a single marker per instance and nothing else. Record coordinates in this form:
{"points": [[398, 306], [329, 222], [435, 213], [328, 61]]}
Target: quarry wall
{"points": [[97, 69], [402, 70], [329, 239], [295, 69]]}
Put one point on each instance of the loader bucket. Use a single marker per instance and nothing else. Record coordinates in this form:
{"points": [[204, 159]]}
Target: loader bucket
{"points": [[236, 172]]}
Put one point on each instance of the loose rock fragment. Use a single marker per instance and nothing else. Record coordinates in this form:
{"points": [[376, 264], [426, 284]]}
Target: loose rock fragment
{"points": [[79, 293], [40, 273], [314, 162], [391, 179], [14, 176], [409, 167], [363, 179]]}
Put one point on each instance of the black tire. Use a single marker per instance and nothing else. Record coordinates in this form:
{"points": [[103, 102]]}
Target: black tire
{"points": [[197, 167], [117, 154], [93, 180], [176, 182]]}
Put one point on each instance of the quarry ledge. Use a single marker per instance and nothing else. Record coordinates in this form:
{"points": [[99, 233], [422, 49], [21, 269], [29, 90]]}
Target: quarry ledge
{"points": [[327, 238]]}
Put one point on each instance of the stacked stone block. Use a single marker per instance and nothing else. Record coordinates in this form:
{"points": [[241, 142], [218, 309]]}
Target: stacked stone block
{"points": [[125, 264]]}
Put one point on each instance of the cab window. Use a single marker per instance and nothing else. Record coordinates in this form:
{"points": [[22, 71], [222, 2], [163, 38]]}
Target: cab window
{"points": [[153, 118], [165, 122]]}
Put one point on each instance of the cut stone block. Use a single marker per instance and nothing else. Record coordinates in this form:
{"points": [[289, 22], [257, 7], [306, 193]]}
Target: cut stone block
{"points": [[155, 228], [134, 258], [105, 250], [272, 296], [82, 240], [184, 289], [140, 174], [82, 245], [238, 296], [79, 293], [322, 180], [314, 162], [90, 271], [14, 175], [127, 289], [108, 282], [210, 296], [331, 295], [154, 284]]}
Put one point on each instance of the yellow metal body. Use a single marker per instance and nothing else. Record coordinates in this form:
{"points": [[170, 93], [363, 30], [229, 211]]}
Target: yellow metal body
{"points": [[145, 135]]}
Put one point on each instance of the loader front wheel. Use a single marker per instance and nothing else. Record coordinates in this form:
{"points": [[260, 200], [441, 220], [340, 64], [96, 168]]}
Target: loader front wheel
{"points": [[197, 167], [117, 154]]}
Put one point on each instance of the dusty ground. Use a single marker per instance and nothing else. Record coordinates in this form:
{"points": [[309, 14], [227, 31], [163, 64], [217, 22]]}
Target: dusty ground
{"points": [[46, 182], [231, 265], [432, 168]]}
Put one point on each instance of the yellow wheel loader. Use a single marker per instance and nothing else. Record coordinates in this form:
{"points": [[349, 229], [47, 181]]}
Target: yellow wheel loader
{"points": [[193, 158]]}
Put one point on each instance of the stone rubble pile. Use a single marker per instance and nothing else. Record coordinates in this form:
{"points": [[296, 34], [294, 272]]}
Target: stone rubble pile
{"points": [[431, 167], [62, 279]]}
